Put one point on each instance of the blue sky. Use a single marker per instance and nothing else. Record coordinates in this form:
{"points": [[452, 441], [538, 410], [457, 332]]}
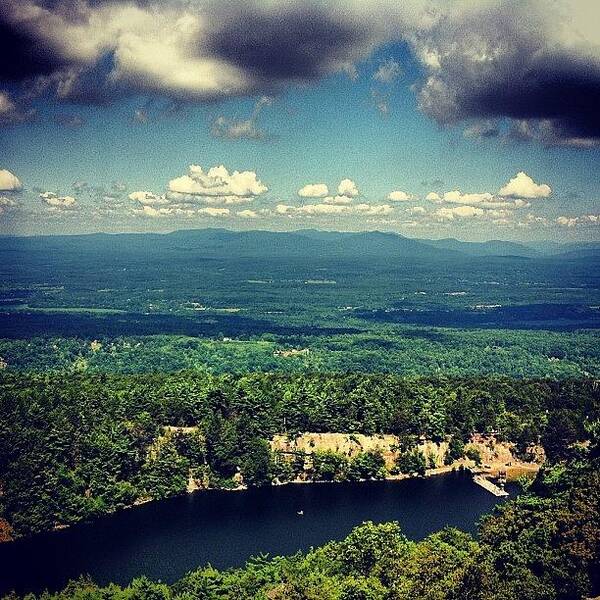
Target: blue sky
{"points": [[365, 120]]}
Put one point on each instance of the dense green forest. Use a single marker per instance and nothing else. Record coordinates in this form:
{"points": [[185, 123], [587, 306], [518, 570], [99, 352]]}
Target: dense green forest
{"points": [[404, 350], [544, 545], [73, 447]]}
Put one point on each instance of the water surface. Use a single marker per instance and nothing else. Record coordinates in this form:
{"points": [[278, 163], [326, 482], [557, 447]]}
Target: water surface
{"points": [[164, 540]]}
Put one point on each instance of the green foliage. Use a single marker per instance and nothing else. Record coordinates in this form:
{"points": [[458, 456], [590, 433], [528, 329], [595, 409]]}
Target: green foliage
{"points": [[78, 446], [367, 465], [456, 450], [166, 473], [329, 466], [412, 462], [473, 454], [256, 464]]}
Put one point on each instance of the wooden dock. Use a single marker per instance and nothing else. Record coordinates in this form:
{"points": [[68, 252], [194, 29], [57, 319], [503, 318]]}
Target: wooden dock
{"points": [[491, 487]]}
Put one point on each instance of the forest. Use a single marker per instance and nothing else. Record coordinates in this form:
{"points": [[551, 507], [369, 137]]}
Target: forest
{"points": [[74, 447]]}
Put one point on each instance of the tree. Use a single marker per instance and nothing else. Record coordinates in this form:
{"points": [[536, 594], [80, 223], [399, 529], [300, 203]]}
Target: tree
{"points": [[256, 464]]}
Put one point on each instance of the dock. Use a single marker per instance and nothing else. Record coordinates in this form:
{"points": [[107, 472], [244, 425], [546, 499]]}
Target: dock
{"points": [[491, 487]]}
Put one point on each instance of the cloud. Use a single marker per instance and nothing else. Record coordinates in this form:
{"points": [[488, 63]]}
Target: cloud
{"points": [[9, 182], [515, 194], [381, 101], [388, 71], [433, 183], [149, 211], [70, 121], [458, 197], [530, 62], [522, 186], [56, 202], [11, 113], [313, 190], [416, 210], [213, 211], [337, 199], [576, 221], [315, 210], [148, 198], [482, 129], [461, 212], [247, 214], [399, 196], [347, 187], [100, 50], [347, 190], [533, 63], [234, 129], [7, 204], [217, 185], [180, 211]]}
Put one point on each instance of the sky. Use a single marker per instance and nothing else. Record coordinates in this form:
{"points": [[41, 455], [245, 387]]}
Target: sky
{"points": [[474, 120]]}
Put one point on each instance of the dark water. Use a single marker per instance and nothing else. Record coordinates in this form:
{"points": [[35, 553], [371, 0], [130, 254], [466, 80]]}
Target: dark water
{"points": [[166, 539]]}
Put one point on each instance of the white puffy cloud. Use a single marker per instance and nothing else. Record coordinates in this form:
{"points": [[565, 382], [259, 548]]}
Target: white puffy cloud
{"points": [[6, 204], [247, 214], [9, 182], [579, 220], [399, 196], [148, 198], [433, 197], [213, 211], [56, 202], [347, 187], [522, 186], [313, 190], [461, 212], [373, 209], [337, 200], [219, 184], [458, 197], [313, 210], [416, 210]]}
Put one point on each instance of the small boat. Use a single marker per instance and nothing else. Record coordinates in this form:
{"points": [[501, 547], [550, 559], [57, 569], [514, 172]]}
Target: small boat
{"points": [[300, 513]]}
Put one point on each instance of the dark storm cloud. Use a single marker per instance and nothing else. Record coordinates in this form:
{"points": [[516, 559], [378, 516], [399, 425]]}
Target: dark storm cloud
{"points": [[507, 61], [96, 52], [527, 62], [23, 55], [300, 42]]}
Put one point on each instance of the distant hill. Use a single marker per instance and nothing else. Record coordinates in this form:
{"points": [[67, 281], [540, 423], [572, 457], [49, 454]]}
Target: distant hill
{"points": [[307, 243], [550, 247], [490, 248]]}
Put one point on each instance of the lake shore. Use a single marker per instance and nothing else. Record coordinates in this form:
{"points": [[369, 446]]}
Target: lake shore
{"points": [[498, 460]]}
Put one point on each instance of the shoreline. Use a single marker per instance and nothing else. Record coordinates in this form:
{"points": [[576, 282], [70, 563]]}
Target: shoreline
{"points": [[490, 473]]}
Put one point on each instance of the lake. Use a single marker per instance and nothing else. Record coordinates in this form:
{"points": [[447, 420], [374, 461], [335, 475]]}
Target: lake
{"points": [[164, 540]]}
